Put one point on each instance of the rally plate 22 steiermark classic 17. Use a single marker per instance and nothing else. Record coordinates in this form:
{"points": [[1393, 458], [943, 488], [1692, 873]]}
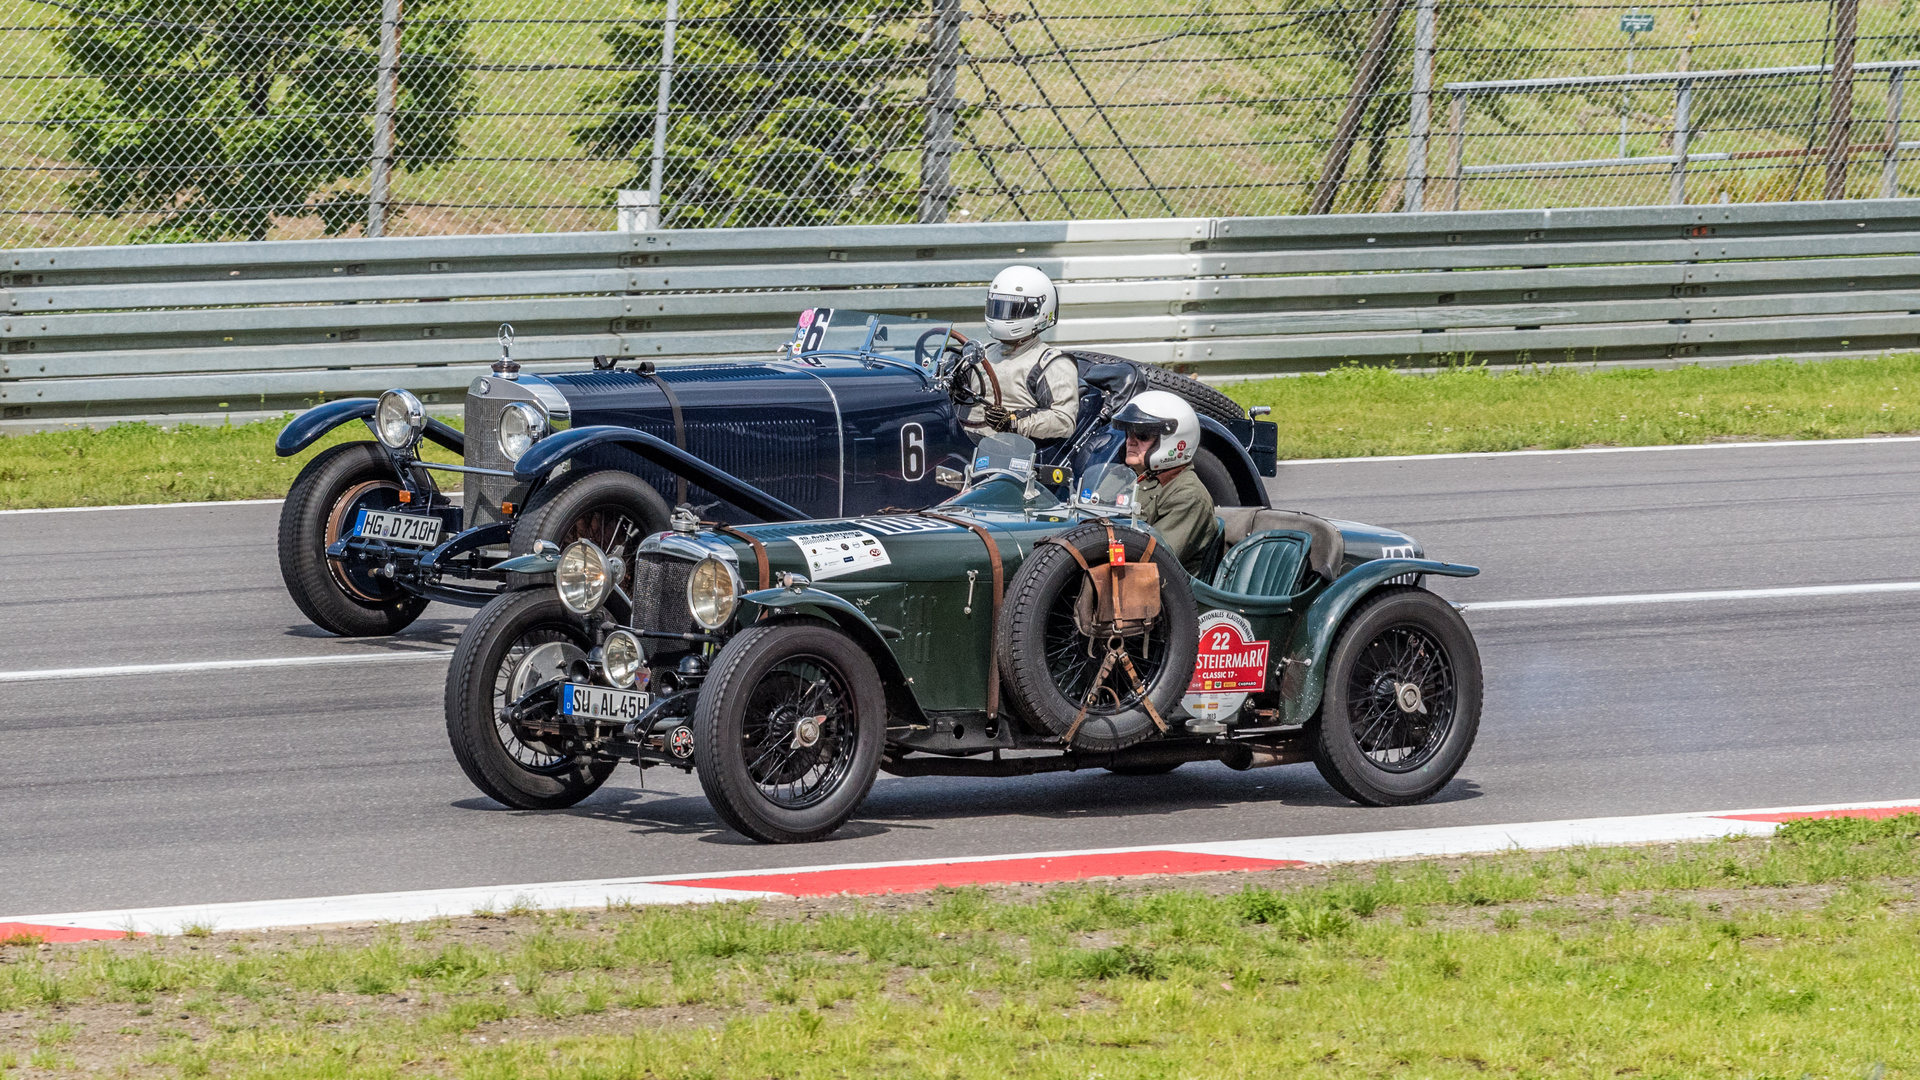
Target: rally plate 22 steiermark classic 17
{"points": [[856, 414], [1003, 632]]}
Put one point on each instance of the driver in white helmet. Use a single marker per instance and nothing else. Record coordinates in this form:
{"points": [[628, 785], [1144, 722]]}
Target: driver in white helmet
{"points": [[1027, 387], [1163, 435]]}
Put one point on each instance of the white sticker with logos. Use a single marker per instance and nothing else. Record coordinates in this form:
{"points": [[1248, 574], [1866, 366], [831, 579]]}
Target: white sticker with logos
{"points": [[846, 551]]}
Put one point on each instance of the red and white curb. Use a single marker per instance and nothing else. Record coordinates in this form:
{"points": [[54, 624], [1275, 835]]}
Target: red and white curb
{"points": [[920, 875]]}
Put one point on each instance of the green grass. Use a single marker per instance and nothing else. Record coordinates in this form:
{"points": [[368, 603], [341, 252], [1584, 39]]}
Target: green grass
{"points": [[1740, 958], [1362, 411], [146, 463]]}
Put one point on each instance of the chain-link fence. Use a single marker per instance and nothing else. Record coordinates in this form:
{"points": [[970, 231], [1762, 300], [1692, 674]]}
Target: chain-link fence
{"points": [[166, 120]]}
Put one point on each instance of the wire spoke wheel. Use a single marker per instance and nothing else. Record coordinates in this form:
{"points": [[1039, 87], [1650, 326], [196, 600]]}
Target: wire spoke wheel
{"points": [[616, 530], [799, 732], [534, 657], [1400, 699]]}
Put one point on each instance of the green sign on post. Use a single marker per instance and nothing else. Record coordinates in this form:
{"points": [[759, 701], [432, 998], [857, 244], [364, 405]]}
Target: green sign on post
{"points": [[1637, 23]]}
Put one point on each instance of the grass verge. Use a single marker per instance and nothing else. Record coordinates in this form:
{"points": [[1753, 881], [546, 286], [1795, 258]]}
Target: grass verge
{"points": [[147, 463], [1749, 958], [1348, 412], [1363, 411]]}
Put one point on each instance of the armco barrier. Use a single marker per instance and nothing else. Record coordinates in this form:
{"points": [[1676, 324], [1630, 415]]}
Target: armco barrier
{"points": [[198, 327]]}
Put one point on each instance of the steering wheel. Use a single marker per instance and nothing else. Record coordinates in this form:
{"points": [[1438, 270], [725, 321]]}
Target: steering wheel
{"points": [[923, 355], [967, 379]]}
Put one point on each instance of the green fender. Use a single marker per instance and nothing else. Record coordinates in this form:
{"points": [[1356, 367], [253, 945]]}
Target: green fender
{"points": [[1305, 675], [855, 624]]}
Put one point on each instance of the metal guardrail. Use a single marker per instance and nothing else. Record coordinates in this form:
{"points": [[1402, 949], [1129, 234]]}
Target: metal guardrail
{"points": [[244, 327]]}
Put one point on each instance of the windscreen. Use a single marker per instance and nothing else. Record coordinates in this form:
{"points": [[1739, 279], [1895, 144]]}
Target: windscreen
{"points": [[1111, 485], [903, 338], [1004, 451]]}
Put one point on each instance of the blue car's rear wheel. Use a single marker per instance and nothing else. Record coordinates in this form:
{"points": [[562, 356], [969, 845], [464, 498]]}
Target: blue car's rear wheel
{"points": [[788, 731]]}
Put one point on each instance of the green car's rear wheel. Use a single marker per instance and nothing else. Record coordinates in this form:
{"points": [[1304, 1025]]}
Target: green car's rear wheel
{"points": [[788, 732], [517, 643], [321, 507], [1402, 702]]}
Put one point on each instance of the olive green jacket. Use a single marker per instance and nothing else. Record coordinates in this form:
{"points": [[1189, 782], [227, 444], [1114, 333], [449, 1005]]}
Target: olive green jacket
{"points": [[1181, 511]]}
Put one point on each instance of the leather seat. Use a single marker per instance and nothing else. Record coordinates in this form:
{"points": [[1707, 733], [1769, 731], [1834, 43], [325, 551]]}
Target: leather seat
{"points": [[1325, 553], [1268, 563]]}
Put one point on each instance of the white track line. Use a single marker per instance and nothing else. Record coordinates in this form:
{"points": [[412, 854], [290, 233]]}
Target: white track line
{"points": [[141, 506], [46, 674], [1352, 847], [1694, 597], [1875, 440]]}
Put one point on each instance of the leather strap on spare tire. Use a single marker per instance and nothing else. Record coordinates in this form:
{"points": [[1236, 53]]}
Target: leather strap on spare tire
{"points": [[1121, 599], [679, 428], [752, 541], [999, 593]]}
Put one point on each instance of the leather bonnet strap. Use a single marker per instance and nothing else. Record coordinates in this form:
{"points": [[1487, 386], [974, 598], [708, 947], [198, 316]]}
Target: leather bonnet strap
{"points": [[999, 591], [679, 427], [752, 541]]}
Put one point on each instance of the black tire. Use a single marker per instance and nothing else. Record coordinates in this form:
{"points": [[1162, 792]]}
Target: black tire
{"points": [[750, 708], [1047, 666], [528, 774], [321, 505], [1205, 399], [614, 509], [1219, 482], [1368, 745], [1161, 769]]}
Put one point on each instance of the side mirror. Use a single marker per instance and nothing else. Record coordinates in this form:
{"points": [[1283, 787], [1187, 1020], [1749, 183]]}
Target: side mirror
{"points": [[947, 476]]}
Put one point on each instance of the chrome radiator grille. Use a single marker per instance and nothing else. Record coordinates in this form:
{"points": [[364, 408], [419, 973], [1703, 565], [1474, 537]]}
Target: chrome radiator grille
{"points": [[483, 494], [660, 594]]}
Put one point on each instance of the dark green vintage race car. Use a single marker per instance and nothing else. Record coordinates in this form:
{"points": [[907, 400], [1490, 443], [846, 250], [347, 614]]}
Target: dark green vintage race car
{"points": [[1001, 633]]}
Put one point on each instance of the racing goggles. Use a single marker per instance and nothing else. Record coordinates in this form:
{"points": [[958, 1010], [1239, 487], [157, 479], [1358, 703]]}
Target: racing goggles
{"points": [[1135, 420], [1007, 308]]}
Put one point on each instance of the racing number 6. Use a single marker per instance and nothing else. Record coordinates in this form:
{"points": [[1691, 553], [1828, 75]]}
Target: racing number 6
{"points": [[913, 452]]}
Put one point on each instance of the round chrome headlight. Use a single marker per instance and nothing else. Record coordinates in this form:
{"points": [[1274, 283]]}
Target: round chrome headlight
{"points": [[521, 425], [398, 419], [583, 577], [621, 657], [712, 591]]}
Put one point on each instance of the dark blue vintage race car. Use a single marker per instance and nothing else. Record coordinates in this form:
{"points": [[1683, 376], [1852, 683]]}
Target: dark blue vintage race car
{"points": [[858, 413]]}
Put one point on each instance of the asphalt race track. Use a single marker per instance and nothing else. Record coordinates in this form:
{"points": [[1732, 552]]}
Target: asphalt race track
{"points": [[301, 779]]}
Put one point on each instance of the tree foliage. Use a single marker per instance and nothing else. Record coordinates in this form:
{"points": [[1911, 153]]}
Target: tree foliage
{"points": [[219, 116], [783, 111]]}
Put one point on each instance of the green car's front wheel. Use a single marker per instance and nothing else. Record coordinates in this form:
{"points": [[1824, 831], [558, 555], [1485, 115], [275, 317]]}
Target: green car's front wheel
{"points": [[1402, 702], [788, 732]]}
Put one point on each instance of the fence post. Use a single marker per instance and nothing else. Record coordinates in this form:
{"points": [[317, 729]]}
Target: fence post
{"points": [[1682, 123], [1358, 95], [657, 177], [1896, 91], [943, 75], [386, 90], [1419, 106], [1456, 148], [1846, 24]]}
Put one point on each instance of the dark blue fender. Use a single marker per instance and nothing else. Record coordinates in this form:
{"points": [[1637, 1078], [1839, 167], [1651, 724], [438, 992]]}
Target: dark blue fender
{"points": [[1214, 436], [1305, 677], [304, 430], [855, 624], [548, 453]]}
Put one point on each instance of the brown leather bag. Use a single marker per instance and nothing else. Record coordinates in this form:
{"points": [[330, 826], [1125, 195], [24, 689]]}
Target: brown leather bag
{"points": [[1120, 598]]}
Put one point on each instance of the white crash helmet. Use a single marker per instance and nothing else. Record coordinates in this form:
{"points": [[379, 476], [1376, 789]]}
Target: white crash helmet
{"points": [[1021, 302], [1159, 414]]}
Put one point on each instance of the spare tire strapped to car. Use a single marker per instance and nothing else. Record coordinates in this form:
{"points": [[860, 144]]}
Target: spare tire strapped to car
{"points": [[999, 592], [1049, 667], [1115, 612]]}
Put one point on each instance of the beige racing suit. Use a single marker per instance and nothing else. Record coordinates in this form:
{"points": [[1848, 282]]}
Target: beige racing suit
{"points": [[1039, 385]]}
